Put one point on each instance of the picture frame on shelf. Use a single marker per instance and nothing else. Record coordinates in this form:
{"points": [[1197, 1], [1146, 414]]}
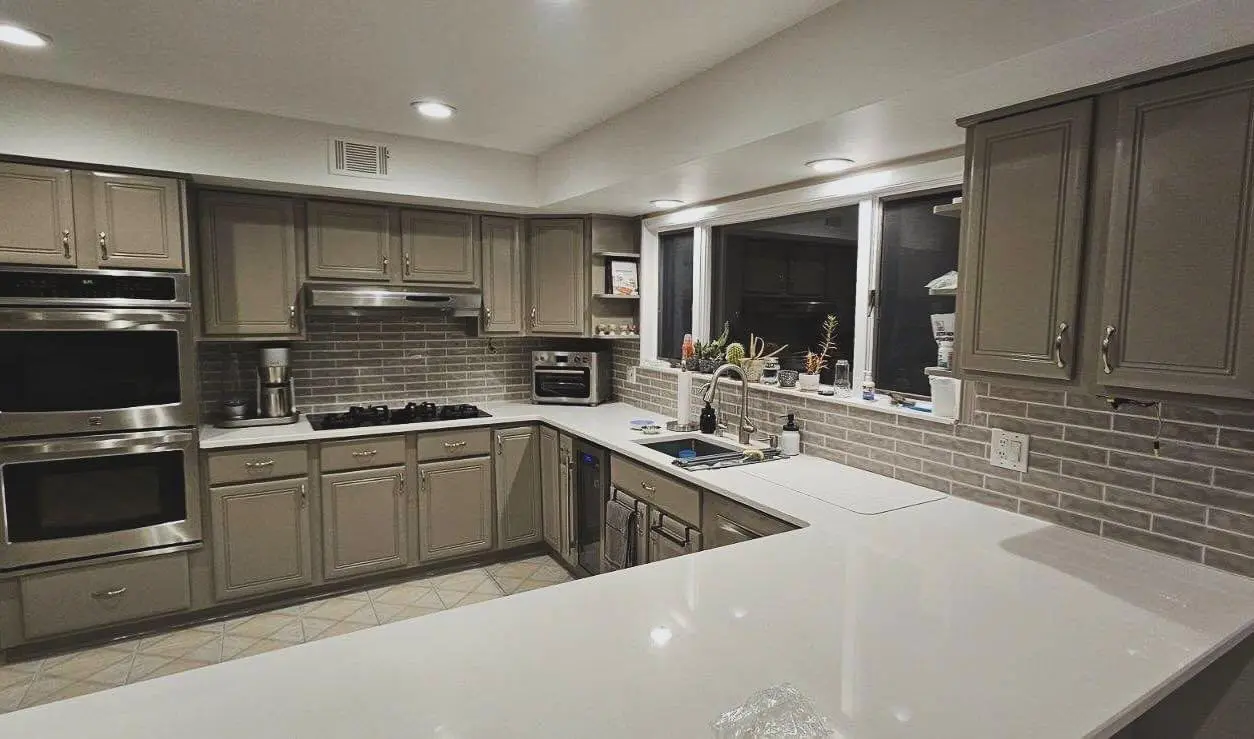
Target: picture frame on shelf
{"points": [[622, 277]]}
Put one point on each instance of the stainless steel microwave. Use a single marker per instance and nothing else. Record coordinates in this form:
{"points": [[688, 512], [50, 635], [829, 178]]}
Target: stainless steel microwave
{"points": [[570, 378]]}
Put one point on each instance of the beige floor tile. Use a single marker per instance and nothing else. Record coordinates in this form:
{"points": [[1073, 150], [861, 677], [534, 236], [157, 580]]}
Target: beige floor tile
{"points": [[29, 666], [508, 584], [551, 573], [209, 652], [263, 625], [261, 646], [174, 667], [73, 689], [489, 587], [520, 570], [232, 646], [145, 664], [343, 609], [529, 584], [315, 626], [113, 675], [10, 677], [177, 644], [293, 633], [390, 613], [43, 686], [405, 594], [466, 582], [11, 697], [343, 627], [361, 596], [82, 665], [472, 598]]}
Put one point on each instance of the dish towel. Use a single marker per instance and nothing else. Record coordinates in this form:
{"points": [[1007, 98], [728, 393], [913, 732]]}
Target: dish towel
{"points": [[620, 536]]}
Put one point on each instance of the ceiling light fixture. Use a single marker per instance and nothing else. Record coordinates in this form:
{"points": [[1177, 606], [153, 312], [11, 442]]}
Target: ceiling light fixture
{"points": [[18, 36], [666, 203], [433, 109], [826, 166]]}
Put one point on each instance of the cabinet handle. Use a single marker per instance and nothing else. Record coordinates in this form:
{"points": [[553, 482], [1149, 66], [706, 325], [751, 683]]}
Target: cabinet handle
{"points": [[533, 316], [1106, 341], [386, 262], [259, 464], [730, 528], [365, 453], [104, 246], [400, 488], [65, 242], [661, 531], [109, 594], [487, 315], [648, 488], [500, 446], [422, 480], [1062, 332], [451, 445], [304, 498], [407, 265]]}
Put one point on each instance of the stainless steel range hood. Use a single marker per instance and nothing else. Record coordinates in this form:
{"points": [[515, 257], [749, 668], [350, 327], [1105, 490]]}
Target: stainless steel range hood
{"points": [[398, 297]]}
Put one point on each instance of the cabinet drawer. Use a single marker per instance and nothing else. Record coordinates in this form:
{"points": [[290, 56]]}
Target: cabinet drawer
{"points": [[454, 444], [264, 463], [727, 522], [671, 496], [356, 454], [84, 598]]}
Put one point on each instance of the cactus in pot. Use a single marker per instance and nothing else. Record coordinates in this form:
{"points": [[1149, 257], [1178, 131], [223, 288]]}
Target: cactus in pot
{"points": [[754, 361]]}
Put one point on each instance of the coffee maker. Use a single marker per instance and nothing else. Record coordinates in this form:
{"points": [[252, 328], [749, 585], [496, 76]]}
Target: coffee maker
{"points": [[276, 392]]}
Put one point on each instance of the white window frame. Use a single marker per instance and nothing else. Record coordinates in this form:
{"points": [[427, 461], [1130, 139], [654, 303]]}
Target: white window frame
{"points": [[867, 190]]}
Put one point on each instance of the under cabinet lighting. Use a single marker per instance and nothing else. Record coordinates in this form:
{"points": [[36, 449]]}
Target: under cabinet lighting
{"points": [[18, 36], [826, 166], [433, 109]]}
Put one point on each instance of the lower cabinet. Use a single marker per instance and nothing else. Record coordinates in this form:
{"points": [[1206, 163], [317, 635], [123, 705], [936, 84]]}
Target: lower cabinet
{"points": [[551, 466], [455, 512], [260, 537], [725, 522], [669, 537], [519, 510], [364, 521], [565, 499]]}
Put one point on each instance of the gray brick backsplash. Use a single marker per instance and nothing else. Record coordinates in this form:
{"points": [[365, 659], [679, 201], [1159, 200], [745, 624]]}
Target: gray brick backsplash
{"points": [[1091, 468]]}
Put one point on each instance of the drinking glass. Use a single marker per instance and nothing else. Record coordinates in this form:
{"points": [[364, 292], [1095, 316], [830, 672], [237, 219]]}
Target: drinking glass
{"points": [[841, 380]]}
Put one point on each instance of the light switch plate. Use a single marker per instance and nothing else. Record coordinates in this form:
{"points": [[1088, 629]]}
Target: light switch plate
{"points": [[631, 374], [1008, 450]]}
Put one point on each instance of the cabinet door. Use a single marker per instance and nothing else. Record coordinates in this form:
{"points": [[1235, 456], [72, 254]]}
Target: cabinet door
{"points": [[260, 537], [613, 235], [558, 286], [251, 274], [518, 508], [1020, 261], [349, 241], [439, 247], [364, 521], [551, 467], [455, 513], [138, 221], [565, 497], [502, 274], [1178, 299], [36, 216]]}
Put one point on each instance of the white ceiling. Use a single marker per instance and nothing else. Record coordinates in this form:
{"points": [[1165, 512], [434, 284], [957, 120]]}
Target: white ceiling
{"points": [[524, 74]]}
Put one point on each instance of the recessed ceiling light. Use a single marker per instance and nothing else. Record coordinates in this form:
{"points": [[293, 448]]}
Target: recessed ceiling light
{"points": [[666, 203], [433, 109], [836, 164], [18, 36]]}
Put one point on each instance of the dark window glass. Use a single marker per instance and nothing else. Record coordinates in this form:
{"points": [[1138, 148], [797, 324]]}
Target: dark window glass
{"points": [[48, 371], [93, 495], [778, 278], [675, 303], [916, 246]]}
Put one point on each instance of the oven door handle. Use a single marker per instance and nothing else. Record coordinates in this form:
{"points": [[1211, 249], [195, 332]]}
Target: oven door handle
{"points": [[72, 319], [121, 443], [546, 371]]}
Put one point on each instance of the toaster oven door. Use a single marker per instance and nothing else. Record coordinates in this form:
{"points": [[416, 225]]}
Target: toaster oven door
{"points": [[572, 386]]}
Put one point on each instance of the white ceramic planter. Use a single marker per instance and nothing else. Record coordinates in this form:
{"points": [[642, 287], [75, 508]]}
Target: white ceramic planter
{"points": [[808, 383]]}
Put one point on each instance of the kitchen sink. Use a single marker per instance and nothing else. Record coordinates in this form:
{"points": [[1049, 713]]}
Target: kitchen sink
{"points": [[689, 446]]}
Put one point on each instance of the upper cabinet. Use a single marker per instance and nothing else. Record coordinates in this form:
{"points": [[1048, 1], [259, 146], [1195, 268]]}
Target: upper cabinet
{"points": [[36, 216], [250, 268], [501, 241], [348, 241], [558, 276], [1022, 251], [1178, 295], [51, 216], [439, 247]]}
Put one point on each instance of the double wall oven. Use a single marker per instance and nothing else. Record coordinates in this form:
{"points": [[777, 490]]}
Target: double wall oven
{"points": [[97, 414]]}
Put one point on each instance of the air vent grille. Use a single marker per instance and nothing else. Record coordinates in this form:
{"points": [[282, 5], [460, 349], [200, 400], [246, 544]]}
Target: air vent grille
{"points": [[359, 158]]}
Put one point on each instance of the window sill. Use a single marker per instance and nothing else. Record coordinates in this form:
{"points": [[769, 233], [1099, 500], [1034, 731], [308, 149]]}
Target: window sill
{"points": [[881, 404]]}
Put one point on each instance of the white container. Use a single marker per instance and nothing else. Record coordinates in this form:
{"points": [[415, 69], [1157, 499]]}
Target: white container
{"points": [[807, 383], [684, 410], [946, 396]]}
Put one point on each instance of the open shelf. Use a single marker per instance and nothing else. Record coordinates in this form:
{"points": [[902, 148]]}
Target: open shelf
{"points": [[937, 372], [943, 291], [952, 210], [616, 254], [612, 296]]}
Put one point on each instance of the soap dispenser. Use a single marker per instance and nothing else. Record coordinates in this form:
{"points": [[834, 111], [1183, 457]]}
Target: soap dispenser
{"points": [[790, 438], [709, 421]]}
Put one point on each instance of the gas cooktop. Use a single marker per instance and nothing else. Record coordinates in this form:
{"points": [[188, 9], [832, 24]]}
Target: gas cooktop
{"points": [[381, 415]]}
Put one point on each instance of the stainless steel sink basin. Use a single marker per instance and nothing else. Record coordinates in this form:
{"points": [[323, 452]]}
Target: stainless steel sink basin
{"points": [[689, 446]]}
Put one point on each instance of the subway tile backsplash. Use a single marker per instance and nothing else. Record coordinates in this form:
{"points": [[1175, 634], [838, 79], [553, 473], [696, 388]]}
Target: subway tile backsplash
{"points": [[1090, 468]]}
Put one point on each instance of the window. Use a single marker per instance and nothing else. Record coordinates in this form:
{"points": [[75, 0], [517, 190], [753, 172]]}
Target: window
{"points": [[778, 278], [916, 246], [675, 300]]}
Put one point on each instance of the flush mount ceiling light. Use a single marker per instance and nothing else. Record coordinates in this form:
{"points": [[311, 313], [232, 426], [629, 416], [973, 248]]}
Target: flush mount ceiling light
{"points": [[18, 36], [666, 203], [834, 164], [433, 109]]}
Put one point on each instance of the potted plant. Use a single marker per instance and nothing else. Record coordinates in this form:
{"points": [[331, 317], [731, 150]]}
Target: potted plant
{"points": [[816, 361], [755, 357], [710, 353]]}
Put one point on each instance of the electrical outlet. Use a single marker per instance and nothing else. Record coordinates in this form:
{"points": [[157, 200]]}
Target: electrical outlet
{"points": [[631, 374], [1008, 450]]}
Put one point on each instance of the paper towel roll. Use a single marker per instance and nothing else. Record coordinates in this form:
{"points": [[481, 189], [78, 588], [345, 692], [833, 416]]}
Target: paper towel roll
{"points": [[684, 412]]}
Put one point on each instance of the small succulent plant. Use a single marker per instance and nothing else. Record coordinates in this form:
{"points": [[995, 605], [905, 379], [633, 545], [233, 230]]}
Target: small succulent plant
{"points": [[735, 352], [816, 361]]}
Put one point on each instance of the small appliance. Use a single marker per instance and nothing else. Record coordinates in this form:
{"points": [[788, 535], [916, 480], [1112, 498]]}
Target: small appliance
{"points": [[570, 378]]}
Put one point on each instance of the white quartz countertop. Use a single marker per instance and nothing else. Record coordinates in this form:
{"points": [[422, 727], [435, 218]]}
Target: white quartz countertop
{"points": [[942, 619]]}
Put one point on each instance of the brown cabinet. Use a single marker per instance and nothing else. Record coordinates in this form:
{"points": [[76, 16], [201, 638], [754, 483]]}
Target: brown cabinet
{"points": [[137, 221], [519, 510], [250, 265], [558, 284], [455, 511], [260, 537], [364, 521], [552, 466], [439, 247], [36, 216], [1177, 311], [501, 240], [349, 241], [1022, 247]]}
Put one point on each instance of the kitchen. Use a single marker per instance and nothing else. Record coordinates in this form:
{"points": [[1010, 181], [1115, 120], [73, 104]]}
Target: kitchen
{"points": [[304, 441]]}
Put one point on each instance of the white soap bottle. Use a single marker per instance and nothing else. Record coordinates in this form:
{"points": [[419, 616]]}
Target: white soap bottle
{"points": [[790, 438]]}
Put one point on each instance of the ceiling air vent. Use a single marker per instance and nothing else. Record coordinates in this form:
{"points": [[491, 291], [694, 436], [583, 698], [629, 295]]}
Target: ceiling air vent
{"points": [[358, 158]]}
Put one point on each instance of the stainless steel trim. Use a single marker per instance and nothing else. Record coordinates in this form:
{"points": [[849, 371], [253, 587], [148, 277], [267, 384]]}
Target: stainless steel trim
{"points": [[553, 364], [665, 533], [46, 423], [259, 464], [109, 594], [463, 304], [1106, 341], [736, 529], [451, 445], [16, 555], [365, 453], [1058, 358], [554, 371], [180, 280]]}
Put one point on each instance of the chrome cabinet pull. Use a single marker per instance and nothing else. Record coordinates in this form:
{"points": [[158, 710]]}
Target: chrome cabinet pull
{"points": [[648, 488], [1106, 341], [386, 262], [533, 316], [258, 464], [109, 594], [407, 265], [422, 480], [451, 445], [365, 453], [104, 246], [65, 242], [487, 314], [500, 446], [1062, 332], [400, 486], [661, 531], [304, 498], [291, 316]]}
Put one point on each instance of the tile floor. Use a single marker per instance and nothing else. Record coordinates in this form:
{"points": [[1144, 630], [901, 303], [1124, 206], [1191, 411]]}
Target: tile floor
{"points": [[87, 671]]}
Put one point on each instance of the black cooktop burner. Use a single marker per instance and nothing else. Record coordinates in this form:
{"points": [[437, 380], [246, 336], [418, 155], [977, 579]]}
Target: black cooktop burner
{"points": [[381, 415]]}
